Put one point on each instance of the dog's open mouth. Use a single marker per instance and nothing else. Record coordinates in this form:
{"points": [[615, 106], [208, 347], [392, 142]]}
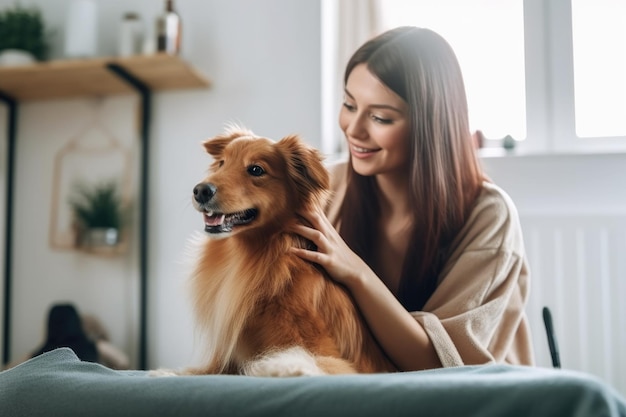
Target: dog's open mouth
{"points": [[223, 223]]}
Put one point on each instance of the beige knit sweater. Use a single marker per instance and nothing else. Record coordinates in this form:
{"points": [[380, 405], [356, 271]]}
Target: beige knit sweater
{"points": [[476, 314]]}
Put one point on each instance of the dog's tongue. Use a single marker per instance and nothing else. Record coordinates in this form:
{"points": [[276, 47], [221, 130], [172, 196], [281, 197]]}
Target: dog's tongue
{"points": [[213, 219]]}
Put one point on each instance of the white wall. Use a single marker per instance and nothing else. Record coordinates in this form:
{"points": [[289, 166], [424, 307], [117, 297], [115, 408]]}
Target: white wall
{"points": [[562, 182], [263, 58], [573, 214]]}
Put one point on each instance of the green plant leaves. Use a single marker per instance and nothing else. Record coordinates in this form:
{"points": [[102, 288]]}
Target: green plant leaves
{"points": [[23, 28], [98, 205]]}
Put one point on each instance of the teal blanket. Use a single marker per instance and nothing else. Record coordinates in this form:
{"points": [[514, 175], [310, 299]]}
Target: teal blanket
{"points": [[58, 384]]}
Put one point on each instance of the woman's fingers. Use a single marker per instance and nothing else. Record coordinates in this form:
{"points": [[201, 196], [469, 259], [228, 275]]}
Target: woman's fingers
{"points": [[332, 252], [308, 255], [303, 231], [317, 219], [307, 233], [315, 236]]}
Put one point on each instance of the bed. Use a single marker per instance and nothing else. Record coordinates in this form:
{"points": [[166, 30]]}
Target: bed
{"points": [[59, 384]]}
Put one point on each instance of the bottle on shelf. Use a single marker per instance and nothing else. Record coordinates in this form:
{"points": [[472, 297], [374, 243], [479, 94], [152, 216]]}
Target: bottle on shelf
{"points": [[168, 30], [130, 35]]}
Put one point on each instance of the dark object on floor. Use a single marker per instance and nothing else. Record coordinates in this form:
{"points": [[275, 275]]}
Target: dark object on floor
{"points": [[552, 344], [65, 330]]}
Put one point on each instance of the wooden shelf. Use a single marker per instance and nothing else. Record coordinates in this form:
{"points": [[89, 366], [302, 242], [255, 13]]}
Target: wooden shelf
{"points": [[83, 77]]}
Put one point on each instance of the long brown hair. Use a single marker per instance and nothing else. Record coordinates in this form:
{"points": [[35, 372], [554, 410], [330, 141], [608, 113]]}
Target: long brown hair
{"points": [[444, 174]]}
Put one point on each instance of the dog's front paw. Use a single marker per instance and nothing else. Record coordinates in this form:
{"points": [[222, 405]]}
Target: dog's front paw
{"points": [[157, 373], [294, 361]]}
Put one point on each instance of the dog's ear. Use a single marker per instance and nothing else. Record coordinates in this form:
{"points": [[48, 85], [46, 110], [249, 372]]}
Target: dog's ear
{"points": [[215, 146], [306, 168]]}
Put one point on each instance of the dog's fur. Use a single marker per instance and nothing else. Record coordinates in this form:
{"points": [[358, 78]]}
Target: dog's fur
{"points": [[263, 310]]}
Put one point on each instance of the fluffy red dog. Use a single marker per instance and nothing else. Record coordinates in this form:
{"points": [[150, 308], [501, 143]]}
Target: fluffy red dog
{"points": [[263, 310]]}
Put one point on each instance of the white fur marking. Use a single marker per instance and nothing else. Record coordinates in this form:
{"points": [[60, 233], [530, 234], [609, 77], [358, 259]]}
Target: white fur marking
{"points": [[294, 361], [158, 373]]}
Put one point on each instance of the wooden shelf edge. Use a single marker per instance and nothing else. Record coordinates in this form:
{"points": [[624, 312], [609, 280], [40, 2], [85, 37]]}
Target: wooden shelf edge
{"points": [[88, 77]]}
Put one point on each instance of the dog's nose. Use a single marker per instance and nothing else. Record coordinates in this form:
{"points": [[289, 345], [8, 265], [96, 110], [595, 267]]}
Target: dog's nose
{"points": [[204, 192]]}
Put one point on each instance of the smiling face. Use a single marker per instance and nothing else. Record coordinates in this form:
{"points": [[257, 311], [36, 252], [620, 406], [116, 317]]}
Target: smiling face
{"points": [[375, 122]]}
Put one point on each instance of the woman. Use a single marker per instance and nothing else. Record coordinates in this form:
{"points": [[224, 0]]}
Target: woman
{"points": [[430, 250]]}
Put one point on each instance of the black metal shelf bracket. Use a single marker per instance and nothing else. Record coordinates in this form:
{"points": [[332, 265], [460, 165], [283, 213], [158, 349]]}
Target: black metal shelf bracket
{"points": [[146, 100], [145, 96], [11, 104]]}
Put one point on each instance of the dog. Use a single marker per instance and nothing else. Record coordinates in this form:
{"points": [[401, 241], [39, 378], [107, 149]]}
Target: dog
{"points": [[262, 310]]}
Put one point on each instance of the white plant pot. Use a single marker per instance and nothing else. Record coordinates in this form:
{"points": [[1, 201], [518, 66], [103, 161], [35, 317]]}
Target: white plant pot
{"points": [[16, 58], [102, 237]]}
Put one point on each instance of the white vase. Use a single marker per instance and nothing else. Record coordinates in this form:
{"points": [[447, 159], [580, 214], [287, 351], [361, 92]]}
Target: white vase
{"points": [[16, 58], [81, 29]]}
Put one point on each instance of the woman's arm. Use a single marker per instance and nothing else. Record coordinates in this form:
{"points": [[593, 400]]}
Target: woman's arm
{"points": [[403, 338]]}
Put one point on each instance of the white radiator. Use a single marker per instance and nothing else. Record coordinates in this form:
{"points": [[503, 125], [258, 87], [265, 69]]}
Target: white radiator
{"points": [[578, 270]]}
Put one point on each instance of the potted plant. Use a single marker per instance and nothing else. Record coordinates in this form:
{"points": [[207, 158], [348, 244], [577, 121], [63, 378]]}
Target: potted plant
{"points": [[22, 36], [98, 214]]}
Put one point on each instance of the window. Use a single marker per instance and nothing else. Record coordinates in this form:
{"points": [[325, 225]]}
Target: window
{"points": [[599, 40], [550, 73], [488, 39]]}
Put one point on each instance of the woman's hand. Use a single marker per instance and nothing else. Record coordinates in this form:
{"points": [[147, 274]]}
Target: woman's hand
{"points": [[403, 339], [333, 254]]}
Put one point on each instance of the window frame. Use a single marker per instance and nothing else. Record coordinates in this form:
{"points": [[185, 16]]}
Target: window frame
{"points": [[550, 98], [549, 74]]}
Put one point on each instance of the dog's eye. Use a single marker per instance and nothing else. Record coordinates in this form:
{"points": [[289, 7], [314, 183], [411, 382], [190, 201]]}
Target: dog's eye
{"points": [[220, 163], [255, 170]]}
